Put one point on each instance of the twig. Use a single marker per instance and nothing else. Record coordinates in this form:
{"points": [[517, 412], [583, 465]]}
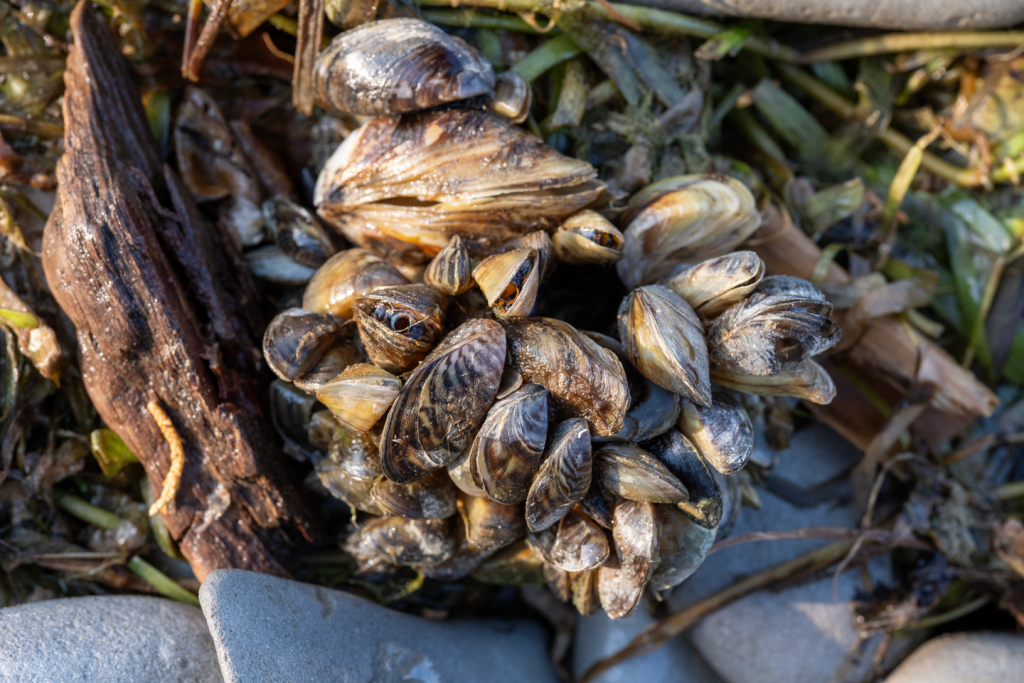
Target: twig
{"points": [[952, 615], [906, 42], [468, 18], [173, 478], [311, 32], [193, 21], [191, 68], [817, 532]]}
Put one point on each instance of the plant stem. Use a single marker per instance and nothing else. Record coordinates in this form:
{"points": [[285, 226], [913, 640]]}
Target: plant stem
{"points": [[952, 615], [468, 18], [906, 42], [43, 129], [88, 513], [160, 581], [545, 56]]}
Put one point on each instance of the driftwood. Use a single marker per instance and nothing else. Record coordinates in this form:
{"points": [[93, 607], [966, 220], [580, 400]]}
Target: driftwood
{"points": [[163, 314], [885, 356]]}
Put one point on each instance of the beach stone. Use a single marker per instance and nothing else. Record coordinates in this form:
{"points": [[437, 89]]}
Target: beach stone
{"points": [[108, 639], [801, 634], [271, 629], [676, 662], [905, 15], [964, 658]]}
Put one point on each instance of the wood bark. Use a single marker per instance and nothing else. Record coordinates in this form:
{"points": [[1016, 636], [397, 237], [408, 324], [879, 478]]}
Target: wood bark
{"points": [[164, 312]]}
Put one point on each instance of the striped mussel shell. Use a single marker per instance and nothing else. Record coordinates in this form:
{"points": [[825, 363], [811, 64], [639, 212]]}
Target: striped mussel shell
{"points": [[350, 470], [704, 504], [395, 66], [622, 578], [807, 380], [580, 543], [296, 339], [399, 325], [563, 478], [587, 237], [509, 282], [402, 542], [539, 241], [490, 525], [360, 395], [507, 450], [449, 271], [722, 432], [630, 472], [714, 285], [444, 401], [345, 277], [512, 96], [297, 232], [682, 546], [431, 497]]}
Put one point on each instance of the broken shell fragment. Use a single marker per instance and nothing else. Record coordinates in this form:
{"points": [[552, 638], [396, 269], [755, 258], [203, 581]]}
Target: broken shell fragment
{"points": [[580, 544], [664, 340], [490, 525], [297, 232], [563, 478], [296, 339], [345, 277], [402, 542], [714, 285], [621, 579], [512, 96], [682, 458], [399, 325], [682, 547], [507, 450], [449, 271], [630, 472], [722, 432], [509, 281], [395, 66], [582, 378], [360, 395], [444, 401], [432, 497], [684, 220], [587, 237], [808, 381]]}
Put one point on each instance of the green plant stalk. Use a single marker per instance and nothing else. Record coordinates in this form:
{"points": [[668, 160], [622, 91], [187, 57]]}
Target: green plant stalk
{"points": [[88, 513], [160, 581], [545, 56], [907, 42], [468, 18], [952, 615]]}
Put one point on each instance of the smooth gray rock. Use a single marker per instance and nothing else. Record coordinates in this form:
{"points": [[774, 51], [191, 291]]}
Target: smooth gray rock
{"points": [[889, 15], [270, 629], [676, 662], [964, 658], [801, 634], [106, 639]]}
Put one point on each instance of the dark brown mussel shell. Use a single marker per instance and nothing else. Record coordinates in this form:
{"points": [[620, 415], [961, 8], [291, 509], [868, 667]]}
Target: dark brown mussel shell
{"points": [[297, 232], [444, 401], [564, 476], [682, 458], [722, 433], [345, 277], [394, 66], [630, 472], [508, 449], [682, 546], [490, 525], [291, 410], [402, 542], [296, 339], [449, 271], [599, 505], [621, 579], [580, 543], [582, 378], [512, 96], [432, 497], [399, 325]]}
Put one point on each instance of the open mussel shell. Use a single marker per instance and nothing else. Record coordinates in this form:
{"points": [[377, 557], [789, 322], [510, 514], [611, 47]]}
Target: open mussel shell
{"points": [[360, 395], [682, 459], [722, 432], [808, 381], [432, 497], [297, 232], [394, 66], [621, 579], [563, 478], [684, 219], [582, 378], [296, 339], [630, 472], [399, 325], [769, 333], [587, 237], [449, 271], [507, 450], [402, 542], [509, 281], [444, 401], [345, 277], [332, 363], [714, 285], [682, 547], [539, 241], [512, 96], [490, 525], [664, 340], [580, 543]]}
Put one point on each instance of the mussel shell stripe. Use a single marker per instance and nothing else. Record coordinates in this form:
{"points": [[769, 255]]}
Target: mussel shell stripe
{"points": [[509, 447], [564, 476]]}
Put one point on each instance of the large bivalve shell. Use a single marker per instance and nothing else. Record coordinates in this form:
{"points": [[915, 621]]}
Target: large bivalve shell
{"points": [[432, 497], [404, 186], [808, 381], [580, 544], [507, 450], [714, 285], [621, 579], [449, 271], [444, 401], [682, 547], [588, 237], [722, 433], [681, 457], [509, 281], [360, 395], [395, 66], [684, 220], [769, 333], [664, 340], [582, 378], [399, 325], [512, 96], [345, 277], [402, 542], [490, 525], [296, 339], [564, 476], [630, 472]]}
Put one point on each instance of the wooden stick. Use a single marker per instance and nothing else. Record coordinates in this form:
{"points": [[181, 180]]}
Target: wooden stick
{"points": [[311, 31]]}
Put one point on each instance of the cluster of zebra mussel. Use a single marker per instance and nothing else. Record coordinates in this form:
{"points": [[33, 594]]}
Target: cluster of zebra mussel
{"points": [[479, 438]]}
